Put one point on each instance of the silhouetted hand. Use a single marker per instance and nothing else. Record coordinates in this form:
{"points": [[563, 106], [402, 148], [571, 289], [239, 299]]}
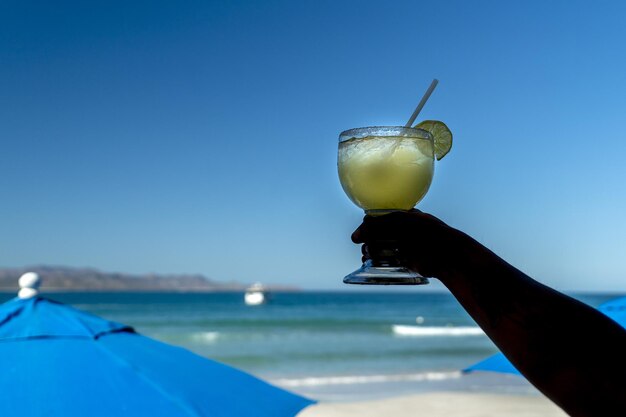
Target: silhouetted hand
{"points": [[425, 244]]}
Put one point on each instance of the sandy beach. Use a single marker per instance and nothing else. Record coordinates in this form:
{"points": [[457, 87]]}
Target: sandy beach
{"points": [[441, 404]]}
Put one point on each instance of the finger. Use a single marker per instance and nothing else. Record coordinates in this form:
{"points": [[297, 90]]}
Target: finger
{"points": [[396, 226], [386, 227], [357, 235], [399, 222]]}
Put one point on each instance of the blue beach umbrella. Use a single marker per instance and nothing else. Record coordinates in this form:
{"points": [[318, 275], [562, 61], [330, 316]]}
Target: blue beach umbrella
{"points": [[60, 361], [614, 309], [496, 363]]}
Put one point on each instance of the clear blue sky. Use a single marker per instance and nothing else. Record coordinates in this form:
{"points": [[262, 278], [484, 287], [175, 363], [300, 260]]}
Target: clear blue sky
{"points": [[201, 137]]}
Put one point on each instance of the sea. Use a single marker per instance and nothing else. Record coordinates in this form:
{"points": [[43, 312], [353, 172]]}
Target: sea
{"points": [[324, 345]]}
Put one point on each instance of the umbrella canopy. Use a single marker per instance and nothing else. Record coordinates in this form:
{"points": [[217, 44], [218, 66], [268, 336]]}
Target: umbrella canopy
{"points": [[496, 363], [60, 361], [614, 309]]}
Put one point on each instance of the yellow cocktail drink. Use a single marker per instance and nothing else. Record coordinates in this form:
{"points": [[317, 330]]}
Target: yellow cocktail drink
{"points": [[385, 168]]}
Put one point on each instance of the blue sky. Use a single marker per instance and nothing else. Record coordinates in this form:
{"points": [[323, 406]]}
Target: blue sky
{"points": [[200, 137]]}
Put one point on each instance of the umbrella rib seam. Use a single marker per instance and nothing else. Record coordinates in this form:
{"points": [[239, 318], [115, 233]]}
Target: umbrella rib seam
{"points": [[149, 381], [96, 336]]}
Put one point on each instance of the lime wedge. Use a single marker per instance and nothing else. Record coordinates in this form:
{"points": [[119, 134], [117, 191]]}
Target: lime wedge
{"points": [[441, 135]]}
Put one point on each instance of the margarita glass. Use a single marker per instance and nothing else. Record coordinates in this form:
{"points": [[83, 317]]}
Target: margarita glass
{"points": [[384, 169]]}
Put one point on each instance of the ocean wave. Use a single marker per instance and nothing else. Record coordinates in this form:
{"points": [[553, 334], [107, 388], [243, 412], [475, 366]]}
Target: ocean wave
{"points": [[205, 337], [364, 379], [421, 331]]}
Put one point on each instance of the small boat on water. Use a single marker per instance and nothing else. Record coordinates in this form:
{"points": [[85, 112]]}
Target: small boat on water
{"points": [[256, 295]]}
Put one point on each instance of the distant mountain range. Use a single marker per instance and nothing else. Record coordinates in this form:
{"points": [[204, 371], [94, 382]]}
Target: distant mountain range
{"points": [[59, 278]]}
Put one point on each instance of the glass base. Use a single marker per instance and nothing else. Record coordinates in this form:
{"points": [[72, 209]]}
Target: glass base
{"points": [[384, 275]]}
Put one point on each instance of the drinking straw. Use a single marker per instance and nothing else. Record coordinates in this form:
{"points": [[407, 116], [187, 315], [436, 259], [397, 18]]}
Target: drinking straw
{"points": [[423, 101]]}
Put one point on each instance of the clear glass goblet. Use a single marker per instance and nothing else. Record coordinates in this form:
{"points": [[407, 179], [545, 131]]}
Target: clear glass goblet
{"points": [[384, 169]]}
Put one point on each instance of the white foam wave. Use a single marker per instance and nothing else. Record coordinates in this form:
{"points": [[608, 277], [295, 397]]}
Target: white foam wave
{"points": [[205, 337], [419, 331], [364, 379]]}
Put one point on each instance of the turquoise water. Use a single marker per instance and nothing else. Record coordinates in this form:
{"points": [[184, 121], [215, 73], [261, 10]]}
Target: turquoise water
{"points": [[312, 342]]}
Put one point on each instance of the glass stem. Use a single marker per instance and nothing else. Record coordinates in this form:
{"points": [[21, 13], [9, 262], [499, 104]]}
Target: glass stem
{"points": [[384, 254]]}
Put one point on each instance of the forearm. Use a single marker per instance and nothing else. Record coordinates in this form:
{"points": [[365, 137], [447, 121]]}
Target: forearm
{"points": [[569, 351]]}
